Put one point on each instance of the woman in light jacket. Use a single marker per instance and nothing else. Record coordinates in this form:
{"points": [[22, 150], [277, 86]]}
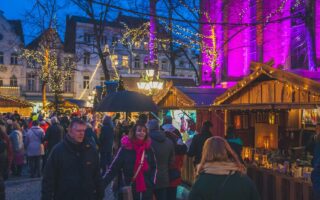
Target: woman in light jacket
{"points": [[35, 149]]}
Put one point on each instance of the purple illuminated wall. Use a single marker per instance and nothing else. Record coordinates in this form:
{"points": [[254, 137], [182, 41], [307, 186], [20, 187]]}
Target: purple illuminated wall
{"points": [[239, 38], [212, 8], [287, 41], [276, 36], [153, 32]]}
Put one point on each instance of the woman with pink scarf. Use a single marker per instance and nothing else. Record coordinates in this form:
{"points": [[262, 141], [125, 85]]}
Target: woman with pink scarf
{"points": [[135, 164]]}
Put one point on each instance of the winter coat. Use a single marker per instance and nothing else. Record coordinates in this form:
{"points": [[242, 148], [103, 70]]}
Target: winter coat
{"points": [[3, 167], [16, 138], [164, 152], [217, 184], [72, 173], [17, 141], [106, 138], [315, 178], [236, 145], [54, 135], [313, 147], [91, 136], [123, 164], [196, 146], [180, 151], [34, 140]]}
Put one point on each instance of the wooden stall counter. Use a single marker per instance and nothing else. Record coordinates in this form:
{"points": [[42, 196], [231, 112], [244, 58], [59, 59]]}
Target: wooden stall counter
{"points": [[273, 185]]}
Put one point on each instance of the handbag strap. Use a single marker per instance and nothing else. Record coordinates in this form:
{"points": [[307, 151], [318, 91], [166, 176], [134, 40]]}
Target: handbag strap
{"points": [[139, 168]]}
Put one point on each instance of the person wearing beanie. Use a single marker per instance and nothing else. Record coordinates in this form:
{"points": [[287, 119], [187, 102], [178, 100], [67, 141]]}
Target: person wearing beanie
{"points": [[164, 152]]}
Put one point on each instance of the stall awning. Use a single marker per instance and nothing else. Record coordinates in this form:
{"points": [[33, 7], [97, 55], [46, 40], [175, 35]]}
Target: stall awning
{"points": [[9, 101]]}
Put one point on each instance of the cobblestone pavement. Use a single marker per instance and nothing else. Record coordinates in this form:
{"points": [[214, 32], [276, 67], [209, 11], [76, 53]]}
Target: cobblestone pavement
{"points": [[29, 188]]}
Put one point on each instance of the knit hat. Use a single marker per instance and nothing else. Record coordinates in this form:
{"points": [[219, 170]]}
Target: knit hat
{"points": [[153, 125]]}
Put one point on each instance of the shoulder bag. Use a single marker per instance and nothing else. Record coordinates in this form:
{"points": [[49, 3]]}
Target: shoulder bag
{"points": [[126, 191]]}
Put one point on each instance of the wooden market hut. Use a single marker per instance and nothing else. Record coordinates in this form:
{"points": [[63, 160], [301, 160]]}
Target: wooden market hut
{"points": [[11, 104], [266, 110], [193, 98], [267, 99]]}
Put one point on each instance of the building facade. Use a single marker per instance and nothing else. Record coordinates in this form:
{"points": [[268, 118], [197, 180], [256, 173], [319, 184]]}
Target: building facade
{"points": [[122, 60], [12, 73]]}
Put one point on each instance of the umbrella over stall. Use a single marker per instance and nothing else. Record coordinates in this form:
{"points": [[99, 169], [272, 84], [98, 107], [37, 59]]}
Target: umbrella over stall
{"points": [[126, 101]]}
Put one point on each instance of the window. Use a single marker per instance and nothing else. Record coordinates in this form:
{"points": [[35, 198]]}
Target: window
{"points": [[125, 61], [67, 85], [86, 58], [114, 60], [181, 64], [13, 81], [145, 45], [102, 80], [164, 65], [137, 62], [86, 80], [1, 82], [14, 59], [137, 44], [87, 38], [31, 82], [1, 57]]}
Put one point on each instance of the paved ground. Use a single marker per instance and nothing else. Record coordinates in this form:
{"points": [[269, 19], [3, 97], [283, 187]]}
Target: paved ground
{"points": [[26, 188]]}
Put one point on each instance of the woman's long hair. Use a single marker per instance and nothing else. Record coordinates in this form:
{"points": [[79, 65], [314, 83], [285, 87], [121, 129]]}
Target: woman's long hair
{"points": [[216, 149]]}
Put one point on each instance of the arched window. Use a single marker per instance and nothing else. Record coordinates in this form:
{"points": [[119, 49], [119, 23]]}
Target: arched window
{"points": [[13, 81]]}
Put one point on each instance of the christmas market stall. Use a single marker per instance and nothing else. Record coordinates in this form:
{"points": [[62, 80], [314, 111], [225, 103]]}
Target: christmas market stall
{"points": [[189, 108], [274, 112], [11, 104]]}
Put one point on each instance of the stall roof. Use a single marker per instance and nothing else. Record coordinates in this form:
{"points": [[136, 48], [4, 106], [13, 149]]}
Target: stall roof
{"points": [[202, 96], [78, 102], [9, 101], [261, 70]]}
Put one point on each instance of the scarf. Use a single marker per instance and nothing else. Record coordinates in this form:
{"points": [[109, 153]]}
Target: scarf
{"points": [[140, 146], [221, 168]]}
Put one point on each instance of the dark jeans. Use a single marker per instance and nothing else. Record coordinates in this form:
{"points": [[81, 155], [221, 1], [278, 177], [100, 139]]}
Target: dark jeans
{"points": [[35, 166], [161, 194], [172, 193]]}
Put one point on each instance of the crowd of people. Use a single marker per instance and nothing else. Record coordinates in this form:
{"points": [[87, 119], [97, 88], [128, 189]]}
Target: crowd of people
{"points": [[78, 157]]}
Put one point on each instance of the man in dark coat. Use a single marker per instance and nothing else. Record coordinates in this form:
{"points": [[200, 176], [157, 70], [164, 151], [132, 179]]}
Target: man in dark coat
{"points": [[197, 143], [72, 171], [106, 143], [54, 134], [164, 152]]}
